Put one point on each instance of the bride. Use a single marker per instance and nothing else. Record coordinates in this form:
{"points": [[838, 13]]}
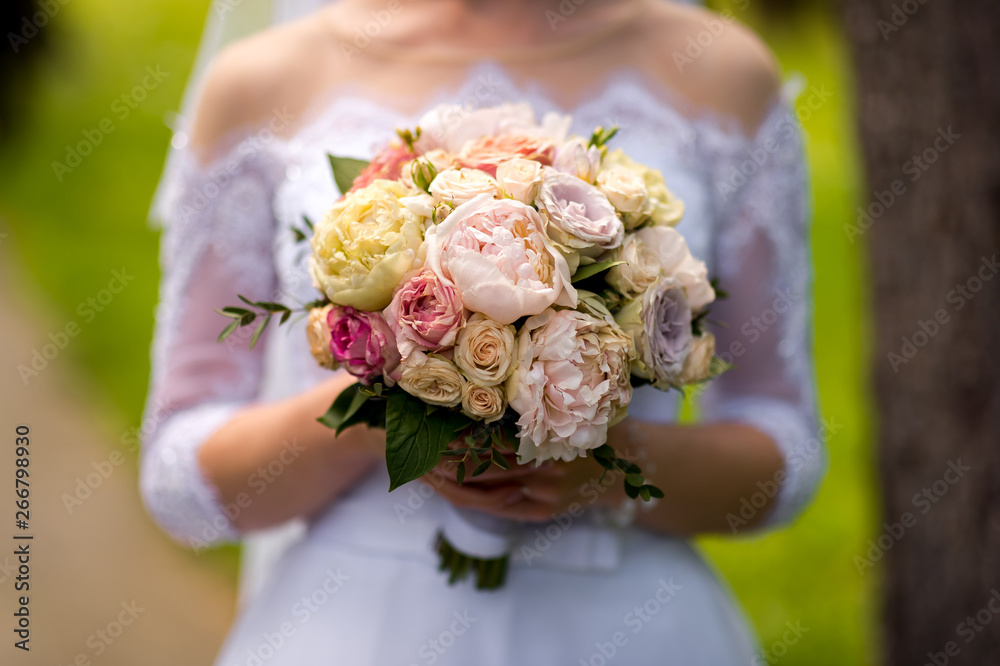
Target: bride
{"points": [[337, 570]]}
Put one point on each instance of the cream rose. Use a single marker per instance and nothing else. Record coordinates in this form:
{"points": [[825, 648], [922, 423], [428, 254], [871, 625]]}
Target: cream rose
{"points": [[364, 246], [483, 403], [433, 379], [318, 333], [698, 364], [485, 350], [498, 256], [640, 270], [674, 260], [624, 188], [520, 178], [456, 186], [662, 208]]}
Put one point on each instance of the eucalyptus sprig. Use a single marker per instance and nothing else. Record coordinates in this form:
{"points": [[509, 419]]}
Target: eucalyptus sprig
{"points": [[635, 483], [261, 313]]}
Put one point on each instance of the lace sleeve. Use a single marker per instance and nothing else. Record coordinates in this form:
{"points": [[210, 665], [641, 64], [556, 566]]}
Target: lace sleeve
{"points": [[217, 243], [761, 258]]}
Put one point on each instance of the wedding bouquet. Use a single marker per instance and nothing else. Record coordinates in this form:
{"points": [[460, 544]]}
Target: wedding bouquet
{"points": [[497, 284]]}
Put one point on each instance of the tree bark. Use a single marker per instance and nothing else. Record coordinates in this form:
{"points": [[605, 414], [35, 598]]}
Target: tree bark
{"points": [[928, 103]]}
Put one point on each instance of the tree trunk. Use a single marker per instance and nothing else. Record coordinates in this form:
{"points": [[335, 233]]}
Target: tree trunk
{"points": [[928, 82]]}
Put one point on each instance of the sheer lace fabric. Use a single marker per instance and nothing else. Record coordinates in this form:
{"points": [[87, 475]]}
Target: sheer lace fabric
{"points": [[227, 231]]}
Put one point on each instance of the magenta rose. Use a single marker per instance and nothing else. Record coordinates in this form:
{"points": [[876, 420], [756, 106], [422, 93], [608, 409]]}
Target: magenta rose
{"points": [[363, 344], [425, 314]]}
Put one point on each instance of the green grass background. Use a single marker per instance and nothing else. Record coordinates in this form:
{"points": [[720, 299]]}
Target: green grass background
{"points": [[72, 234]]}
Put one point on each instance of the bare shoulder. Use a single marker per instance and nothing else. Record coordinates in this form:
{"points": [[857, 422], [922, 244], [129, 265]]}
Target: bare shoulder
{"points": [[716, 62], [266, 79]]}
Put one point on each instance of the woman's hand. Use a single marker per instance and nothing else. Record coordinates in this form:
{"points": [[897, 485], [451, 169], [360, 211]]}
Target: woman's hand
{"points": [[524, 492]]}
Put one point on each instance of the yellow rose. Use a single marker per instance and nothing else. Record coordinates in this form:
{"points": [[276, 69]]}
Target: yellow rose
{"points": [[365, 245]]}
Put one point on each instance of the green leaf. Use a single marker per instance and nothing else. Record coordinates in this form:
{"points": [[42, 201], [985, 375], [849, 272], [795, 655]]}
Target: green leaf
{"points": [[634, 479], [590, 270], [501, 461], [604, 452], [260, 329], [482, 467], [271, 307], [654, 491], [235, 313], [460, 473], [345, 170], [344, 407], [284, 317], [644, 491], [228, 330], [631, 491], [416, 438], [299, 234], [309, 223]]}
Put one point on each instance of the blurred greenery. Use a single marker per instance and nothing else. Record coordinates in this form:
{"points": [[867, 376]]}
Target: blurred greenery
{"points": [[74, 229]]}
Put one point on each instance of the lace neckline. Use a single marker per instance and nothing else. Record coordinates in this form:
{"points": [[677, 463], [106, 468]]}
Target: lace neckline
{"points": [[488, 83]]}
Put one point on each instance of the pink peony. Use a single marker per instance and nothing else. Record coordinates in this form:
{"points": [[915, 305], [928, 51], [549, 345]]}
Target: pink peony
{"points": [[425, 314], [496, 254], [363, 344], [571, 383]]}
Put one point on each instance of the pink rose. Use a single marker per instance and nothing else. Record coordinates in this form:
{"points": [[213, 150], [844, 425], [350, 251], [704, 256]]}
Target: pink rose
{"points": [[425, 314], [487, 152], [387, 165], [571, 383], [497, 255], [363, 344]]}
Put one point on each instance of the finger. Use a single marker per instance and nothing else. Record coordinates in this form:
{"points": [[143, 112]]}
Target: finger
{"points": [[478, 497]]}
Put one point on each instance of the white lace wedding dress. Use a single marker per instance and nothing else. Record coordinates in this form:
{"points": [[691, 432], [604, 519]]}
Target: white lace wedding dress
{"points": [[360, 585]]}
